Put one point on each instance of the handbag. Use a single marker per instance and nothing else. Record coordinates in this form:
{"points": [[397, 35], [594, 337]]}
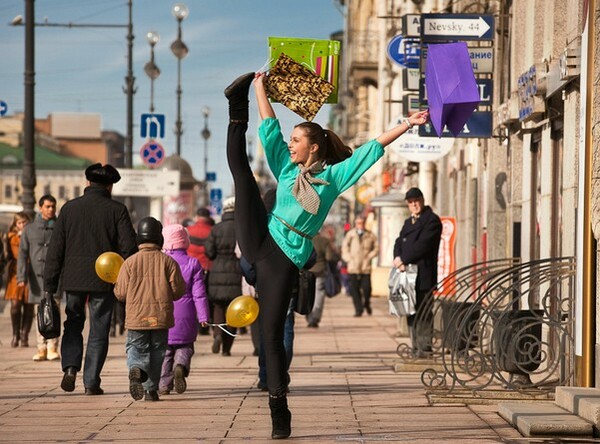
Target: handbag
{"points": [[333, 282], [48, 317], [403, 294], [307, 285], [297, 87], [319, 56]]}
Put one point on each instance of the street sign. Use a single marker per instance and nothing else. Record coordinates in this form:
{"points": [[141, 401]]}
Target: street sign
{"points": [[211, 176], [216, 200], [410, 79], [435, 27], [152, 126], [485, 87], [152, 153], [482, 59], [3, 108], [404, 52], [147, 183], [414, 148], [410, 104], [411, 25], [479, 125]]}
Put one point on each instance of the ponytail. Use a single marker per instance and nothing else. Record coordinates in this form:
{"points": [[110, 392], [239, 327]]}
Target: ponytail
{"points": [[331, 148]]}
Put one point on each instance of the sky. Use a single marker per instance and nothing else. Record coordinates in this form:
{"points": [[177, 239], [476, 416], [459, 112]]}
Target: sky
{"points": [[84, 69]]}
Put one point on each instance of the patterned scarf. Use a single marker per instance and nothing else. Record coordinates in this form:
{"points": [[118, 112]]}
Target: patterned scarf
{"points": [[303, 191]]}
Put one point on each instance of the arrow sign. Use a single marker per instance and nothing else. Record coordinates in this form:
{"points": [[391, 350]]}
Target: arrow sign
{"points": [[152, 126], [3, 108], [456, 27]]}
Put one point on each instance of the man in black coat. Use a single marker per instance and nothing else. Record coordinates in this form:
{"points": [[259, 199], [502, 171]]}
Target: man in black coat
{"points": [[418, 243], [87, 227]]}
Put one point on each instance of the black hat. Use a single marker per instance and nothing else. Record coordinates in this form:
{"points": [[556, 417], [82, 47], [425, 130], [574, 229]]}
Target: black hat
{"points": [[413, 193], [104, 174], [149, 231], [203, 212]]}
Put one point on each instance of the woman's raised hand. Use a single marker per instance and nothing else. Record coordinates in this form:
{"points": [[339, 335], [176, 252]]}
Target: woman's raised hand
{"points": [[419, 118]]}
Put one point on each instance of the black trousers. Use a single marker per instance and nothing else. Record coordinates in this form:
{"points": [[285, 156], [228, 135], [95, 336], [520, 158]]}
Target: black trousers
{"points": [[360, 290], [276, 274]]}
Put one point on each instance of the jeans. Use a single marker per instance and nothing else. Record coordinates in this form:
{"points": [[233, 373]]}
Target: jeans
{"points": [[314, 317], [288, 344], [180, 354], [100, 306], [360, 289], [146, 350]]}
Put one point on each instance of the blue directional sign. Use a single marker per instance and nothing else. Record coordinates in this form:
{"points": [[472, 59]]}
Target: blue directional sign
{"points": [[216, 200], [3, 108], [152, 126], [405, 52], [435, 27], [479, 125], [211, 176]]}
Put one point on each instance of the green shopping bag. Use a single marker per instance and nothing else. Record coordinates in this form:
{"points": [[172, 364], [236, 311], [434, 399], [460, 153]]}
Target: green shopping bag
{"points": [[320, 56]]}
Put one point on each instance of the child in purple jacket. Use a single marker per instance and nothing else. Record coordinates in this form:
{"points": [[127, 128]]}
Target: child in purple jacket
{"points": [[190, 310]]}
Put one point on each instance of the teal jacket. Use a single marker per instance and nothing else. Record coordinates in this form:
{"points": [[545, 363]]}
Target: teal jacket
{"points": [[340, 176]]}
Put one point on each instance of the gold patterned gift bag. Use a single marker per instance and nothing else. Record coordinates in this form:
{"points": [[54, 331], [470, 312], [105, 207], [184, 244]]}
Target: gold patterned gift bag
{"points": [[297, 87]]}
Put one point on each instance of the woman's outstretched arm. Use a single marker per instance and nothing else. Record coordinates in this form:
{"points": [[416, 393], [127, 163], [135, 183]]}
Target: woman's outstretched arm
{"points": [[264, 106], [389, 136]]}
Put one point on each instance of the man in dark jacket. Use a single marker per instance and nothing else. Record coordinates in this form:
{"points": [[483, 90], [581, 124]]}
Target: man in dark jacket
{"points": [[418, 243], [87, 227]]}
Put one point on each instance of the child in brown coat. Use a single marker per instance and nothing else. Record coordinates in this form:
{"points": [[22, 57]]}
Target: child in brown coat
{"points": [[148, 283]]}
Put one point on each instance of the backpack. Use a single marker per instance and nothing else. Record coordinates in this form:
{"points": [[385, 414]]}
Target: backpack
{"points": [[333, 282]]}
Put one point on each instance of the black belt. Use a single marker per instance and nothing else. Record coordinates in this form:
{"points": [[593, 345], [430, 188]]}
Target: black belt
{"points": [[295, 230]]}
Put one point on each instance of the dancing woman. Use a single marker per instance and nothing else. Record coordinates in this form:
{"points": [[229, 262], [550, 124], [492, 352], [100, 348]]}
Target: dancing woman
{"points": [[312, 170]]}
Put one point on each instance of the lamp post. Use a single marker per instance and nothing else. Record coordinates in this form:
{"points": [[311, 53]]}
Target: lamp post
{"points": [[180, 50], [206, 135], [28, 179], [150, 68]]}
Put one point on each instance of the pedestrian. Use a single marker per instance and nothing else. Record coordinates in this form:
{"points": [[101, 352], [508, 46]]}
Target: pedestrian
{"points": [[198, 233], [225, 280], [418, 243], [148, 283], [87, 226], [188, 311], [21, 310], [312, 170], [324, 254], [30, 268], [358, 250]]}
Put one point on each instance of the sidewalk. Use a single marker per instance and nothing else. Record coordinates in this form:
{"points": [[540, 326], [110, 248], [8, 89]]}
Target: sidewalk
{"points": [[343, 389]]}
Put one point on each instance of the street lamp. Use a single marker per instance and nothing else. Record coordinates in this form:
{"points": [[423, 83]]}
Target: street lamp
{"points": [[206, 135], [180, 50], [29, 177], [150, 68]]}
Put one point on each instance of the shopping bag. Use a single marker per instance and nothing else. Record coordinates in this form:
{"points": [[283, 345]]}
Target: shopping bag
{"points": [[403, 295], [320, 56], [297, 87], [48, 317], [307, 285]]}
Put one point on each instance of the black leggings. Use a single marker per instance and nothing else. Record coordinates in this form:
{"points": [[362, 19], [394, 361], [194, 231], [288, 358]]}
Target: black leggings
{"points": [[274, 270]]}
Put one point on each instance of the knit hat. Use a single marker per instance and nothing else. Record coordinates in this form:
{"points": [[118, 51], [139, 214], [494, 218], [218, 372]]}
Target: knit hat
{"points": [[176, 237], [229, 204]]}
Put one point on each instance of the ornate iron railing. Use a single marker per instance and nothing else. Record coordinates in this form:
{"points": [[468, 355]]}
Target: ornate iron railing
{"points": [[451, 296], [516, 332]]}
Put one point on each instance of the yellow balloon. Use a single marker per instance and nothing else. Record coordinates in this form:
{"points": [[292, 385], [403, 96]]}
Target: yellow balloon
{"points": [[108, 265], [242, 311]]}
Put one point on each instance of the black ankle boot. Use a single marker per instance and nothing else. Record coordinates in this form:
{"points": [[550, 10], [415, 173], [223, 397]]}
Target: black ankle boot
{"points": [[237, 95], [281, 417]]}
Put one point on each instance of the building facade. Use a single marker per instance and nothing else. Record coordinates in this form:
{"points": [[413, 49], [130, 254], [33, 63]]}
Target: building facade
{"points": [[528, 189]]}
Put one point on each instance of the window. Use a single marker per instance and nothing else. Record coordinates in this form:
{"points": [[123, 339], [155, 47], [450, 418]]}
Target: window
{"points": [[47, 189], [8, 191], [62, 193], [76, 191]]}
